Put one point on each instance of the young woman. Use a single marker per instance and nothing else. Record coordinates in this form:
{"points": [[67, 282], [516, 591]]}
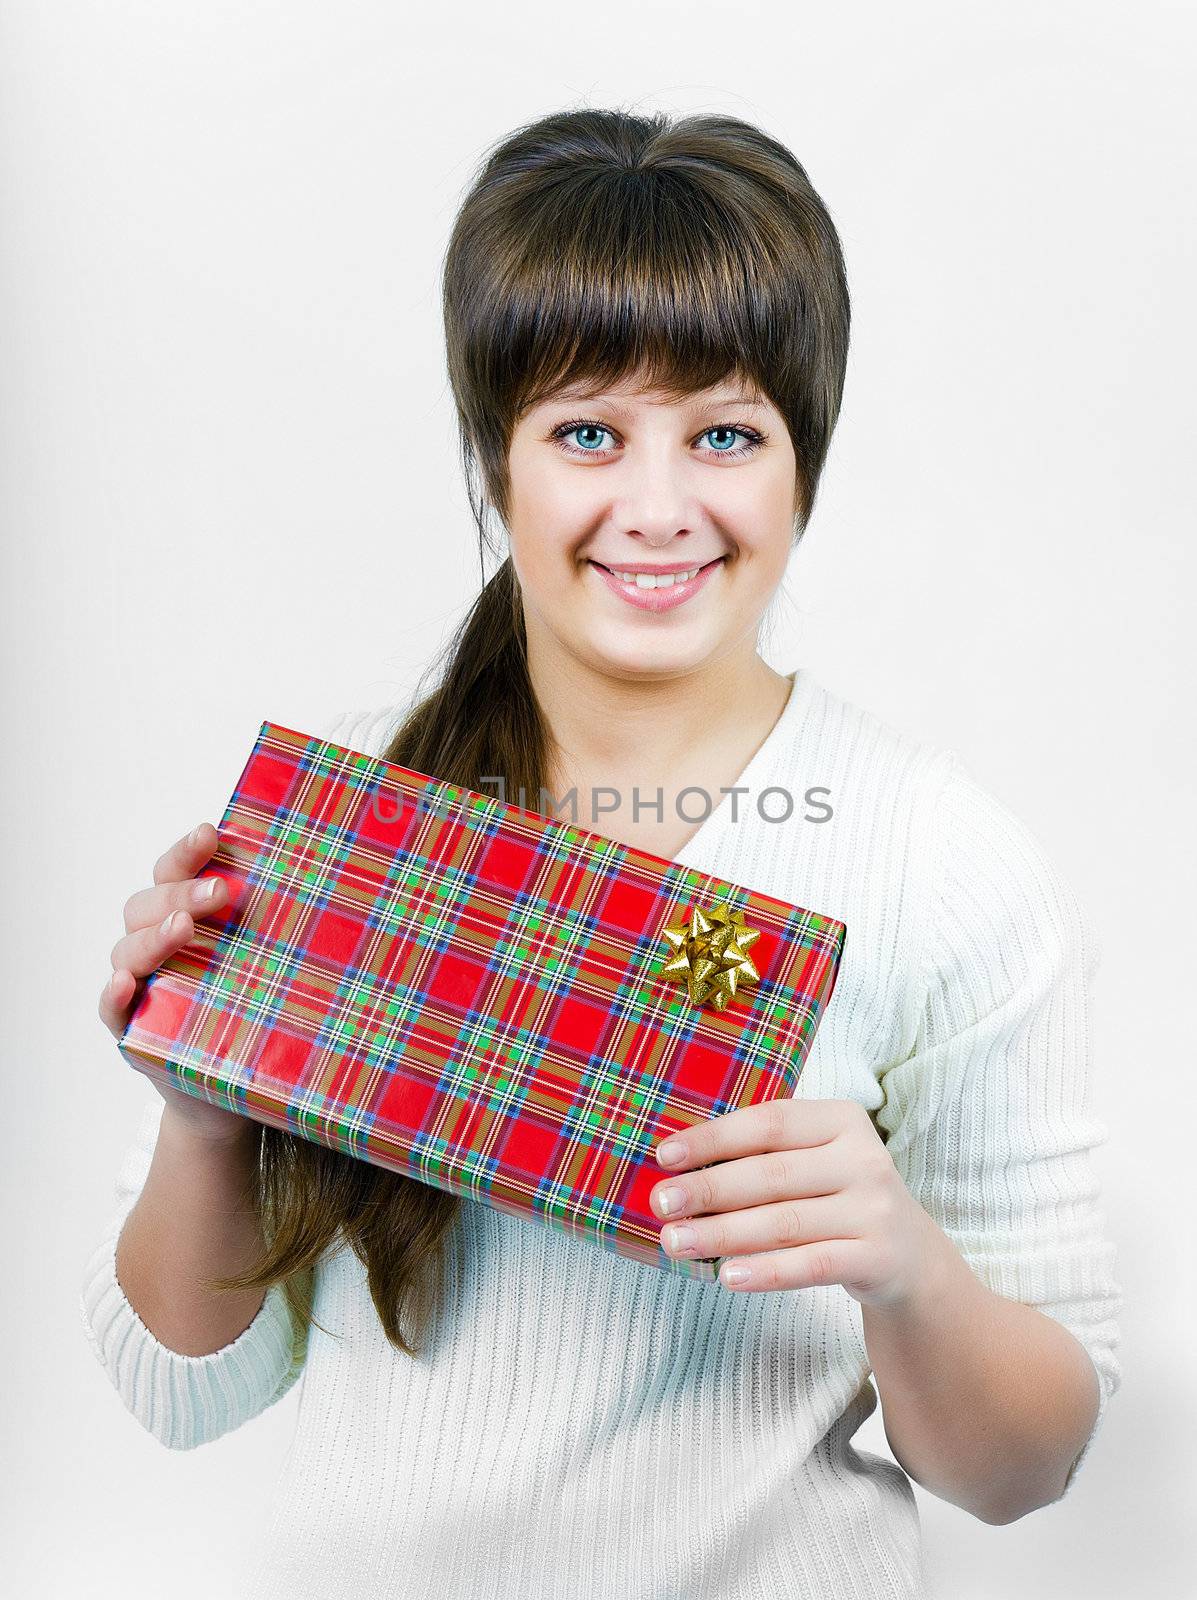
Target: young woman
{"points": [[647, 325]]}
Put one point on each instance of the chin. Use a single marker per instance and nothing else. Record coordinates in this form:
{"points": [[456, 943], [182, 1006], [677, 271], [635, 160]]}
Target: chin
{"points": [[646, 658]]}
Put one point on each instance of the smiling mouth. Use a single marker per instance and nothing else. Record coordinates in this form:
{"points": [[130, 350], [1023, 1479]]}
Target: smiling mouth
{"points": [[653, 580]]}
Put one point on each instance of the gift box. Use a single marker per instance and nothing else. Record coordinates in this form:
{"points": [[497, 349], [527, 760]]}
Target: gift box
{"points": [[494, 1002]]}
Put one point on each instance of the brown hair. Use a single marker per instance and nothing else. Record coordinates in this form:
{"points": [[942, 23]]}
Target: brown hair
{"points": [[592, 244]]}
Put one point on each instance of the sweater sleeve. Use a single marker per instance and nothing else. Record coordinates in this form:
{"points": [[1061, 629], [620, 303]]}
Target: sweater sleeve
{"points": [[184, 1401], [989, 1120]]}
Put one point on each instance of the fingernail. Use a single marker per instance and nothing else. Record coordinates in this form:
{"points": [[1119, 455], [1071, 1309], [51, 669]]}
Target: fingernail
{"points": [[736, 1274], [672, 1151], [682, 1238], [167, 923], [205, 890], [193, 836]]}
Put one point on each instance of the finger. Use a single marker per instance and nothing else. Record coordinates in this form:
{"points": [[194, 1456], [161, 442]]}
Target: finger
{"points": [[147, 907], [810, 1266], [115, 999], [769, 1125], [186, 855], [147, 948], [784, 1226], [756, 1180]]}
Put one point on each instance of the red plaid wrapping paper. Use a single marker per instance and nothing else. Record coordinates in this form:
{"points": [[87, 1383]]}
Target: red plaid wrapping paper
{"points": [[470, 993]]}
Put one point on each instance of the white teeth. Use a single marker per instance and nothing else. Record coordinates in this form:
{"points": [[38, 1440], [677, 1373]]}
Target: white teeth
{"points": [[656, 580]]}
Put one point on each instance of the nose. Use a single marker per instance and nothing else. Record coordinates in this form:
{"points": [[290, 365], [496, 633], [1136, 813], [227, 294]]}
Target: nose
{"points": [[655, 505]]}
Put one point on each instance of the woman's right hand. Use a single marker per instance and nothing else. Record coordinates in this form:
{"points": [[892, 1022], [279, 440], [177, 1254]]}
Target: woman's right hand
{"points": [[157, 922]]}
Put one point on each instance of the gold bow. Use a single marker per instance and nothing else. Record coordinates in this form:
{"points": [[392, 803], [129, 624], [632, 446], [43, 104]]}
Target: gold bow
{"points": [[710, 954]]}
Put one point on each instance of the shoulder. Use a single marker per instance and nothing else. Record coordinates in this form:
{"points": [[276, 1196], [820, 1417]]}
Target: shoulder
{"points": [[882, 781], [884, 774], [876, 760], [997, 880], [929, 867], [978, 858]]}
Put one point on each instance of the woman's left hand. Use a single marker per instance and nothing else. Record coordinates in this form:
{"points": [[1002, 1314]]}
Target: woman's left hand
{"points": [[802, 1192]]}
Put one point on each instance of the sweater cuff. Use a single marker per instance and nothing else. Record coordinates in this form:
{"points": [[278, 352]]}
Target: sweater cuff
{"points": [[183, 1400]]}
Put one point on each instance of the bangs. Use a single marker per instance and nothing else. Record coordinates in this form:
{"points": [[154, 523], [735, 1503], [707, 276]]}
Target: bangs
{"points": [[638, 274]]}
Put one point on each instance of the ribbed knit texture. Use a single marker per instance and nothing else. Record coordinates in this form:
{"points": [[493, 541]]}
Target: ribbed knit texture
{"points": [[581, 1424]]}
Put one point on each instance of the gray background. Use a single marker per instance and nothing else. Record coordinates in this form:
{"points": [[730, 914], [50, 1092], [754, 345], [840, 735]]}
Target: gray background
{"points": [[229, 492]]}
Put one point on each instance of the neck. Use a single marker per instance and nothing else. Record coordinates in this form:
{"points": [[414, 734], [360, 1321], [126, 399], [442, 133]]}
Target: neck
{"points": [[607, 726]]}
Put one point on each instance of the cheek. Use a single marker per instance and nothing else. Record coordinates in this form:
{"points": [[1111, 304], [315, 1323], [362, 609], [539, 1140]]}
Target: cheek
{"points": [[536, 492], [762, 524], [540, 565], [541, 541], [548, 520]]}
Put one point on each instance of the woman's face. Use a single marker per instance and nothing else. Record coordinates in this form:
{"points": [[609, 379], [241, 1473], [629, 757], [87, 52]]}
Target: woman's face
{"points": [[627, 482]]}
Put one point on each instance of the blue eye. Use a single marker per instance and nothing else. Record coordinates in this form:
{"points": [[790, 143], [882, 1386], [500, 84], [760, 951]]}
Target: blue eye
{"points": [[587, 427], [580, 426], [731, 431]]}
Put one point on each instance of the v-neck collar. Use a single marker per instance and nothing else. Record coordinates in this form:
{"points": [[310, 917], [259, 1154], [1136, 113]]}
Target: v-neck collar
{"points": [[757, 768]]}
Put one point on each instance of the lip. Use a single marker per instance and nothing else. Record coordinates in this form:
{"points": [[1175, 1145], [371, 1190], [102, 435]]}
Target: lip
{"points": [[676, 594]]}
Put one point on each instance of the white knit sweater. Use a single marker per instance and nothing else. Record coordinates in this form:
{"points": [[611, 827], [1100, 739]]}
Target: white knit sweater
{"points": [[583, 1424]]}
